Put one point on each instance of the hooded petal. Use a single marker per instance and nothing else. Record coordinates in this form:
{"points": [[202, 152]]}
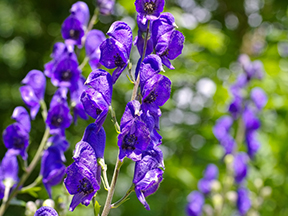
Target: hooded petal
{"points": [[37, 81], [21, 115]]}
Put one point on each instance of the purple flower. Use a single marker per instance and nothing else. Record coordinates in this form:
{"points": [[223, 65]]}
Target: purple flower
{"points": [[195, 203], [228, 144], [240, 167], [150, 115], [250, 120], [149, 9], [52, 167], [211, 172], [72, 31], [21, 115], [60, 142], [66, 72], [83, 176], [259, 97], [252, 142], [222, 127], [46, 211], [105, 6], [80, 11], [33, 92], [236, 107], [243, 201], [135, 136], [252, 69], [148, 175], [9, 168], [169, 46], [92, 46], [37, 81], [59, 117], [115, 51], [95, 105], [139, 41], [96, 138], [101, 81], [204, 186], [156, 90]]}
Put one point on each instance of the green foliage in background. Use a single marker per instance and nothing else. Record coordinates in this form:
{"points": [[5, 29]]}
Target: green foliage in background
{"points": [[200, 95]]}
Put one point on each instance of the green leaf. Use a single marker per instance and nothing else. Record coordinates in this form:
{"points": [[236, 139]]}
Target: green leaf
{"points": [[96, 208], [16, 202]]}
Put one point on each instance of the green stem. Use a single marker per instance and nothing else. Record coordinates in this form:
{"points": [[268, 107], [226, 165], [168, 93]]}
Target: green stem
{"points": [[124, 198], [114, 119], [35, 183], [107, 206], [44, 109], [101, 162], [93, 21], [84, 62], [29, 170]]}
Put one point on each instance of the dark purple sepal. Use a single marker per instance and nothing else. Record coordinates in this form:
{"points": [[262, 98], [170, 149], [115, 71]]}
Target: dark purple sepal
{"points": [[95, 105], [106, 7], [9, 167], [252, 142], [133, 140], [81, 183], [72, 31], [37, 81], [66, 73], [30, 99], [84, 154], [21, 115], [61, 143], [150, 115], [2, 190], [114, 55], [157, 90], [149, 9], [240, 167], [259, 97], [236, 107], [121, 32], [16, 139], [46, 211], [92, 46], [169, 47], [80, 11], [150, 66], [243, 201], [96, 138], [101, 81], [52, 167], [196, 201], [148, 185], [139, 41], [60, 96], [164, 24], [132, 110]]}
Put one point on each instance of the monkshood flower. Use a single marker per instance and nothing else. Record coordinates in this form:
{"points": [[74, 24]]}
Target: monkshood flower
{"points": [[80, 11], [195, 203], [16, 135], [46, 211], [148, 175], [52, 167], [210, 173], [250, 119], [259, 97], [9, 168], [149, 9], [33, 91], [59, 117], [105, 6], [252, 142], [66, 72], [236, 107], [169, 46], [72, 31], [115, 51], [240, 166], [243, 201], [60, 142], [252, 69], [135, 136], [92, 47], [77, 106]]}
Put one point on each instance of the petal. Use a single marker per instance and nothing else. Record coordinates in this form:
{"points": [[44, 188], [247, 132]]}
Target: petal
{"points": [[80, 11], [37, 81], [21, 115]]}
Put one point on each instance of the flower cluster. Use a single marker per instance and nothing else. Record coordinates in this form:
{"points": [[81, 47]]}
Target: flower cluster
{"points": [[244, 110], [196, 199]]}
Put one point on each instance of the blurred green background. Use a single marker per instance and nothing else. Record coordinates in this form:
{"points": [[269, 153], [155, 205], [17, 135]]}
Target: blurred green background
{"points": [[216, 32]]}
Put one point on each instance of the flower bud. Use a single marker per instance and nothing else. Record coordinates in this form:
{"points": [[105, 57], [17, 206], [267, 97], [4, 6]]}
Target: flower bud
{"points": [[31, 208]]}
